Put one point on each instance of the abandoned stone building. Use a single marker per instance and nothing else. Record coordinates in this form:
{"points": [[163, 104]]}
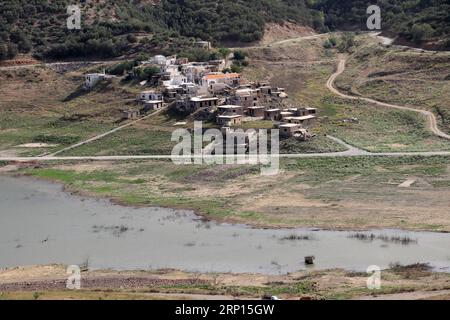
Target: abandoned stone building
{"points": [[229, 120], [230, 110]]}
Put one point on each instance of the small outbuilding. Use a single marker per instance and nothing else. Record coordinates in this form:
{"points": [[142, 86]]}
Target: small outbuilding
{"points": [[150, 95], [272, 114], [151, 105], [91, 79], [305, 121], [229, 120], [230, 110], [203, 45], [288, 130], [130, 114], [256, 112]]}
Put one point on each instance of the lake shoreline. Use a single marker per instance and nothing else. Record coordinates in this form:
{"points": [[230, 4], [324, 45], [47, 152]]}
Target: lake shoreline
{"points": [[223, 220]]}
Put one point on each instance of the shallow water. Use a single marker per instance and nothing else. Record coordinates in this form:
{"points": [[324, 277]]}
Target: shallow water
{"points": [[41, 224]]}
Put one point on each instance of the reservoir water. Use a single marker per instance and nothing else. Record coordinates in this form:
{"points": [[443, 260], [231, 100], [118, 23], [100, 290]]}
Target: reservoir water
{"points": [[41, 224]]}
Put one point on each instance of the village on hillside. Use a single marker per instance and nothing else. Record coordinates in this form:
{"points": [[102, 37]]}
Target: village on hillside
{"points": [[209, 91]]}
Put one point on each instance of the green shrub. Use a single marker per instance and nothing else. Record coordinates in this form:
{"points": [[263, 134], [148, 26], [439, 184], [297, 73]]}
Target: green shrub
{"points": [[51, 139]]}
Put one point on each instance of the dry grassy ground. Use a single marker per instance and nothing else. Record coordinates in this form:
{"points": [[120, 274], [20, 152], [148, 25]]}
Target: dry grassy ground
{"points": [[400, 76], [41, 105], [303, 68], [48, 283]]}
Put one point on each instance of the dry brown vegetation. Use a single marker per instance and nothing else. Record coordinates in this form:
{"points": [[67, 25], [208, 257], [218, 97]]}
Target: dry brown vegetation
{"points": [[48, 283], [402, 76]]}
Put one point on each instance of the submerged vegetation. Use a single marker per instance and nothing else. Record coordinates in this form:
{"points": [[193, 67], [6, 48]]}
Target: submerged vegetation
{"points": [[404, 240]]}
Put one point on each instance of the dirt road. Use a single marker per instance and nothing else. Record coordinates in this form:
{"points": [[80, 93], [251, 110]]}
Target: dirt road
{"points": [[106, 133], [432, 121], [56, 64], [282, 42]]}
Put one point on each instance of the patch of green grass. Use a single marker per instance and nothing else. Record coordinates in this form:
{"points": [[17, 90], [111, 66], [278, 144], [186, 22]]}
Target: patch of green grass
{"points": [[17, 129], [318, 144], [325, 169], [64, 140], [400, 77], [380, 129], [358, 292], [297, 289], [72, 176], [441, 183], [128, 141]]}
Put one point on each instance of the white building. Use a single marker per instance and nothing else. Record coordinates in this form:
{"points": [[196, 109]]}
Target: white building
{"points": [[203, 44], [150, 95], [91, 79], [190, 88], [159, 60], [152, 105], [231, 79]]}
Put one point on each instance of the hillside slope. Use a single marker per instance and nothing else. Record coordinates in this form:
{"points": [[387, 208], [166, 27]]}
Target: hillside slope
{"points": [[111, 28], [114, 28], [423, 23]]}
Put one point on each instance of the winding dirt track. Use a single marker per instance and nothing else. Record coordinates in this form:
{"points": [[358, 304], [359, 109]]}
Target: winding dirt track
{"points": [[432, 121], [129, 124]]}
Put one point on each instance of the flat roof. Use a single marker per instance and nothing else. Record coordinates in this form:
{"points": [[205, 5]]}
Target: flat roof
{"points": [[273, 110], [153, 101], [304, 117], [245, 90], [229, 107], [289, 125], [230, 117], [256, 107], [150, 91], [203, 98], [222, 76]]}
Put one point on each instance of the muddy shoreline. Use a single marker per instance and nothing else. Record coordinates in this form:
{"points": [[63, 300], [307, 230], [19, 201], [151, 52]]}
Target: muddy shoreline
{"points": [[225, 220], [49, 283]]}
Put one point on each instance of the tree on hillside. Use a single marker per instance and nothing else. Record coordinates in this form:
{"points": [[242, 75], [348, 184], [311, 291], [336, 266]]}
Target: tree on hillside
{"points": [[346, 42], [419, 32], [3, 51]]}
